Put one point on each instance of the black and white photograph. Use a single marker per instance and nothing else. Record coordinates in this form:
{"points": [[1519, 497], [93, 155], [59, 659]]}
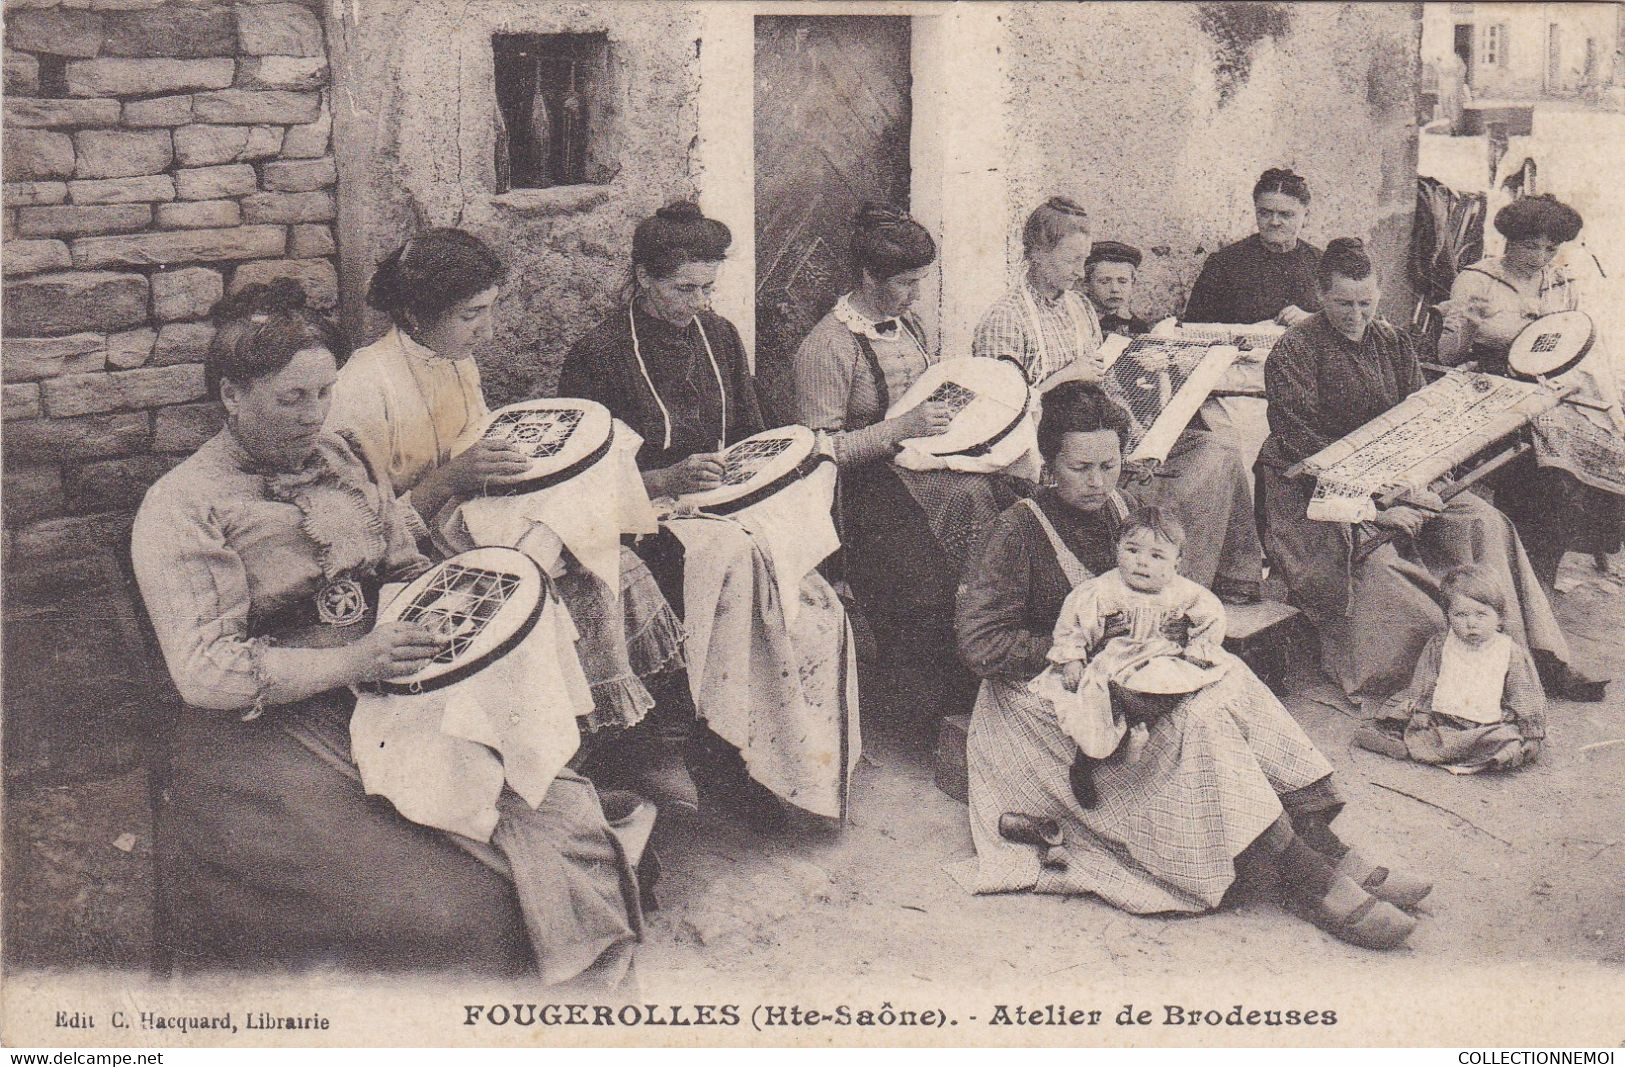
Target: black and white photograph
{"points": [[533, 523]]}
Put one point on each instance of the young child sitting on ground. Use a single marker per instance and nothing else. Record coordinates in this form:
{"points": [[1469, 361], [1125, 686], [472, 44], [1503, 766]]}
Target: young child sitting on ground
{"points": [[1475, 702], [1141, 616]]}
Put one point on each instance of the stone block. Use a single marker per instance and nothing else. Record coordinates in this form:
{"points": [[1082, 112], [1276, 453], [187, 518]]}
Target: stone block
{"points": [[299, 175], [316, 276], [130, 349], [114, 483], [215, 183], [81, 220], [30, 493], [308, 240], [200, 145], [198, 214], [249, 106], [181, 246], [158, 111], [55, 112], [8, 224], [122, 153], [308, 141], [27, 194], [75, 440], [21, 72], [145, 77], [289, 207], [182, 342], [282, 72], [149, 387], [142, 189], [278, 30], [187, 293], [35, 257], [32, 155], [48, 305], [71, 536], [187, 29], [19, 401], [28, 359], [56, 31], [184, 427]]}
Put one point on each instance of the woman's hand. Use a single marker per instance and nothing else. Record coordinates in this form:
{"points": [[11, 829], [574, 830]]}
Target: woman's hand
{"points": [[394, 649], [1402, 519], [924, 420], [1291, 315], [468, 473], [695, 474], [1072, 675]]}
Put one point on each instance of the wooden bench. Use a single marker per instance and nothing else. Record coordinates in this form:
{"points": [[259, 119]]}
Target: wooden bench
{"points": [[1262, 635]]}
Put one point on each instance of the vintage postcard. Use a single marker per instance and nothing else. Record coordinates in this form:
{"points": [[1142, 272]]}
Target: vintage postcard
{"points": [[682, 522]]}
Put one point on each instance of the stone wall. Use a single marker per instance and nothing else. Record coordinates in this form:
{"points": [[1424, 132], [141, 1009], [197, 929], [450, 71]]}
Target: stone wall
{"points": [[157, 155], [415, 131]]}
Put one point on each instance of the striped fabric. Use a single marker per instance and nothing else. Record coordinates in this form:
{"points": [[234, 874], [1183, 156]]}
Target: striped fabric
{"points": [[1068, 328], [1168, 828]]}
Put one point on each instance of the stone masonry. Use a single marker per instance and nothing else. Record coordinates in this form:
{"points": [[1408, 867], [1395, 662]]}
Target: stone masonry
{"points": [[157, 156]]}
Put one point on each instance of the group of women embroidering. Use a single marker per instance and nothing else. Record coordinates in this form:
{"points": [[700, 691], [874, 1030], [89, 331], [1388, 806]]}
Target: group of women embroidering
{"points": [[702, 658]]}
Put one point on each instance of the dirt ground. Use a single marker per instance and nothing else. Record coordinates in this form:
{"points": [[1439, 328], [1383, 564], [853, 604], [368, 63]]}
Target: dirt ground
{"points": [[1529, 867]]}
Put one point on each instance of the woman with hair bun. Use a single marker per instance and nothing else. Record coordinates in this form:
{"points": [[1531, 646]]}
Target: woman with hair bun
{"points": [[1328, 376], [413, 398], [855, 362], [676, 373], [260, 559], [1269, 276], [1490, 304], [1048, 328]]}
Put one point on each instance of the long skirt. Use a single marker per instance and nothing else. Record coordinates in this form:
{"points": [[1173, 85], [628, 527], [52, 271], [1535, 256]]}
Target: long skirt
{"points": [[1374, 617], [270, 856], [1205, 482], [1168, 828]]}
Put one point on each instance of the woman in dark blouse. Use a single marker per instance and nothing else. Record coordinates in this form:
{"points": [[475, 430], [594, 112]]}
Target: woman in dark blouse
{"points": [[1269, 276], [1224, 771], [666, 364], [1328, 376]]}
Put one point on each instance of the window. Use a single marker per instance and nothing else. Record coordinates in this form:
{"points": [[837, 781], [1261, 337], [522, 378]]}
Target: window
{"points": [[1495, 45], [1554, 56], [552, 109]]}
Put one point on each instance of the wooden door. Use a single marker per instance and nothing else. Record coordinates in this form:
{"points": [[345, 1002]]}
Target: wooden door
{"points": [[832, 130]]}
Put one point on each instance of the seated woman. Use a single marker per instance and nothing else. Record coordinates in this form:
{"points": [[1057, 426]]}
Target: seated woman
{"points": [[412, 398], [1490, 304], [1224, 771], [259, 560], [1328, 376], [676, 373], [1046, 327], [1268, 277], [905, 534]]}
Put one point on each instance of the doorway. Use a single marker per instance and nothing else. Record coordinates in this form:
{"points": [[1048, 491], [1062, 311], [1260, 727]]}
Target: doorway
{"points": [[1464, 47], [832, 121]]}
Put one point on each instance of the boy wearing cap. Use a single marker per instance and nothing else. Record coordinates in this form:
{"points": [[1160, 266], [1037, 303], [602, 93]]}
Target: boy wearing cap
{"points": [[1109, 275]]}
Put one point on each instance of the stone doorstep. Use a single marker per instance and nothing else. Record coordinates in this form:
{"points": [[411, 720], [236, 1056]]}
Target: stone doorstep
{"points": [[1252, 629]]}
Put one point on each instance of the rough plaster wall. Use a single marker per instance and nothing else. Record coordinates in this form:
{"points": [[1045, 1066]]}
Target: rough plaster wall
{"points": [[413, 73], [1163, 162]]}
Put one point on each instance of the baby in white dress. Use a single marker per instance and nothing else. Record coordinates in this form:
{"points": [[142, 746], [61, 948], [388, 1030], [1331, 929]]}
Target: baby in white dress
{"points": [[1113, 625]]}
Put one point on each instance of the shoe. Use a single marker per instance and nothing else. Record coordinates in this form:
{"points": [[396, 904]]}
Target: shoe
{"points": [[1561, 680], [726, 787], [1352, 915], [1030, 830], [1081, 776], [1396, 887], [1373, 739]]}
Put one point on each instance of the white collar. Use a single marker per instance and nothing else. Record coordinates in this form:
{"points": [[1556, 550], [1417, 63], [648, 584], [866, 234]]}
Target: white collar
{"points": [[859, 323]]}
